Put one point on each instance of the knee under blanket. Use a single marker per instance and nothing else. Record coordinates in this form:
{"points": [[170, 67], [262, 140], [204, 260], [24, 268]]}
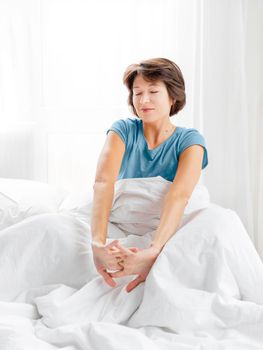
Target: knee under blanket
{"points": [[203, 292]]}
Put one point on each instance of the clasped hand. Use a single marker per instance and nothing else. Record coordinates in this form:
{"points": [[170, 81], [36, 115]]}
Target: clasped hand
{"points": [[123, 261]]}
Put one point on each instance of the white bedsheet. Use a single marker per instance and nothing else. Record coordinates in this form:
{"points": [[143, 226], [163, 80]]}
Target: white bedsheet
{"points": [[205, 291]]}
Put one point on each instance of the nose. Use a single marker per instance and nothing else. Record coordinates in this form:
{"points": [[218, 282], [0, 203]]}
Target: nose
{"points": [[144, 98]]}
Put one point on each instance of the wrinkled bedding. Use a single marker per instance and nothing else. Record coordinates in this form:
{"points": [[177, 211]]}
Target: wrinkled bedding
{"points": [[203, 292]]}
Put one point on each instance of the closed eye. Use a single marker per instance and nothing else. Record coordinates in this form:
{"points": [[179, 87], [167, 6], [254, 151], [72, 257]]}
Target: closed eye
{"points": [[152, 92]]}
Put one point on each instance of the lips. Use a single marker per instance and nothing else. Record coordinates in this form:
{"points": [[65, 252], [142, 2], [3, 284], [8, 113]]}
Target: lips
{"points": [[147, 109]]}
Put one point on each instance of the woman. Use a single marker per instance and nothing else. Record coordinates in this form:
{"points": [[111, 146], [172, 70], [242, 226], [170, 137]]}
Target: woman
{"points": [[147, 146]]}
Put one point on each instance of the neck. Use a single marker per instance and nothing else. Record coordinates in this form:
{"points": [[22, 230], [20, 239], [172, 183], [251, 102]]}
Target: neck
{"points": [[156, 133]]}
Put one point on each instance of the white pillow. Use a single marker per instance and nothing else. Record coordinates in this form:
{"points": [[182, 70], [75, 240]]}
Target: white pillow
{"points": [[78, 203], [133, 196], [138, 203], [21, 198]]}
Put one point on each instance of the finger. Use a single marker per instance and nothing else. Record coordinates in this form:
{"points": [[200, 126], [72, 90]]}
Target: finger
{"points": [[118, 273], [108, 279], [112, 244], [125, 251], [115, 260], [120, 267], [114, 267], [113, 250], [116, 254], [133, 284], [121, 264], [134, 249]]}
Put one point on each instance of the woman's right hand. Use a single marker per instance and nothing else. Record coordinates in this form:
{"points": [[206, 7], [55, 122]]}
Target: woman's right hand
{"points": [[107, 257]]}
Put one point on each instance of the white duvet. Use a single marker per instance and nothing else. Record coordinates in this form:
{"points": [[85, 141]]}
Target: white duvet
{"points": [[205, 290]]}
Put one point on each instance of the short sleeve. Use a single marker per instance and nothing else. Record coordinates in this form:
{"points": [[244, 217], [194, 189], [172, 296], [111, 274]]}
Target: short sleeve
{"points": [[193, 137], [120, 127]]}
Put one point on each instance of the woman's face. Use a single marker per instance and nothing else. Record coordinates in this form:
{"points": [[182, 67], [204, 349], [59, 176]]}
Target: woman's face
{"points": [[151, 99]]}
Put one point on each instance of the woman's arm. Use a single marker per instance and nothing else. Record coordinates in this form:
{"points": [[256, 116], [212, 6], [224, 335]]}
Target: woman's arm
{"points": [[106, 257], [187, 176], [106, 174]]}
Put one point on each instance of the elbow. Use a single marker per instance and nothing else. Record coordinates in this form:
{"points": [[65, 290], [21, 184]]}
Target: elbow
{"points": [[103, 184], [180, 198]]}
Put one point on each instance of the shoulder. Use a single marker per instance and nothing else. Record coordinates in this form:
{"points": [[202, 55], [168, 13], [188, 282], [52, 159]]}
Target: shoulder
{"points": [[125, 127], [128, 123], [189, 137]]}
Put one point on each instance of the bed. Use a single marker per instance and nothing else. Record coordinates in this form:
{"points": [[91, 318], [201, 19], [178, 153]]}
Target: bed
{"points": [[203, 292]]}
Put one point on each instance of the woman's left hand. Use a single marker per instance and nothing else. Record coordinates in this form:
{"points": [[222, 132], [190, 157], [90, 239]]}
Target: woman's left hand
{"points": [[136, 263]]}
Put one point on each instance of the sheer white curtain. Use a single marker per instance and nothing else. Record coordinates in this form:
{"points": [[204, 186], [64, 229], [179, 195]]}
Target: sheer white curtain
{"points": [[61, 65], [231, 104], [61, 70], [22, 141]]}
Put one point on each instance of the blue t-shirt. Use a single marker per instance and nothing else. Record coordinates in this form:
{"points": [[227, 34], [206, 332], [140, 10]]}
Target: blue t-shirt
{"points": [[138, 161]]}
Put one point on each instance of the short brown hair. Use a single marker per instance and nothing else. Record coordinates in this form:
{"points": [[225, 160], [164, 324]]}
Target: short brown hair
{"points": [[158, 69]]}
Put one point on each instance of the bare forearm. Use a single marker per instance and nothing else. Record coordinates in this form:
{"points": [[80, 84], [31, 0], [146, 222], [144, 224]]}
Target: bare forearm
{"points": [[171, 215], [102, 203]]}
